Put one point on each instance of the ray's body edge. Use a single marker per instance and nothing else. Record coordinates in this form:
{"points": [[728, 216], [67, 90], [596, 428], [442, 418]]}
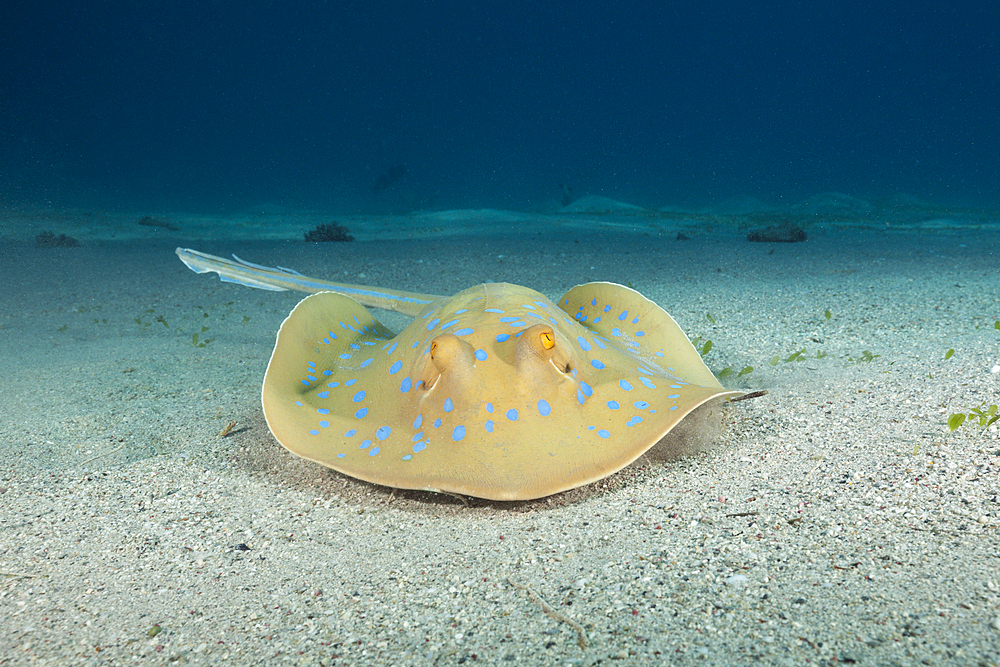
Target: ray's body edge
{"points": [[504, 494]]}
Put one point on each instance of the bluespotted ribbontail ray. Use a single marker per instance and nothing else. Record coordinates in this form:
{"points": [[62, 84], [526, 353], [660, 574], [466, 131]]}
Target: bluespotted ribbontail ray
{"points": [[495, 392]]}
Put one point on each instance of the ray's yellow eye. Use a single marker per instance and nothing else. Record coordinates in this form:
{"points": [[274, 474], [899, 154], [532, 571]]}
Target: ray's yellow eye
{"points": [[548, 340]]}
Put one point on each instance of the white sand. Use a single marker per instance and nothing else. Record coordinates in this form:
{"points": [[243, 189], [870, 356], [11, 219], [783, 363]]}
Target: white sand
{"points": [[837, 521]]}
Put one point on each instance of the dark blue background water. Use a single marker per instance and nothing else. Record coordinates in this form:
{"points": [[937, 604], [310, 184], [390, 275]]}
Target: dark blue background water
{"points": [[229, 105]]}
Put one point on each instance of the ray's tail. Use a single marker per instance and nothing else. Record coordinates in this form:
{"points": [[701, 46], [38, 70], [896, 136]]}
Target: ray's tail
{"points": [[280, 279]]}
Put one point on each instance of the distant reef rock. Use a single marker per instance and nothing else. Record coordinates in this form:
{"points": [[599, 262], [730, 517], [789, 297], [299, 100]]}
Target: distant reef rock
{"points": [[781, 233], [150, 221], [329, 232], [49, 239]]}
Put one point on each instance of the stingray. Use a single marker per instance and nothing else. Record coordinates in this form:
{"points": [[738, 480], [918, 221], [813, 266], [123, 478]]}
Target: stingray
{"points": [[496, 392]]}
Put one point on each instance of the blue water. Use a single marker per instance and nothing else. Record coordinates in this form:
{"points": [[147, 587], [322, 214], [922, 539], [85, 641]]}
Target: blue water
{"points": [[224, 106]]}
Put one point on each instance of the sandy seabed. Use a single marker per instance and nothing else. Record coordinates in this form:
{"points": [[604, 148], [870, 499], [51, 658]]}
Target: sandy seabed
{"points": [[836, 521]]}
